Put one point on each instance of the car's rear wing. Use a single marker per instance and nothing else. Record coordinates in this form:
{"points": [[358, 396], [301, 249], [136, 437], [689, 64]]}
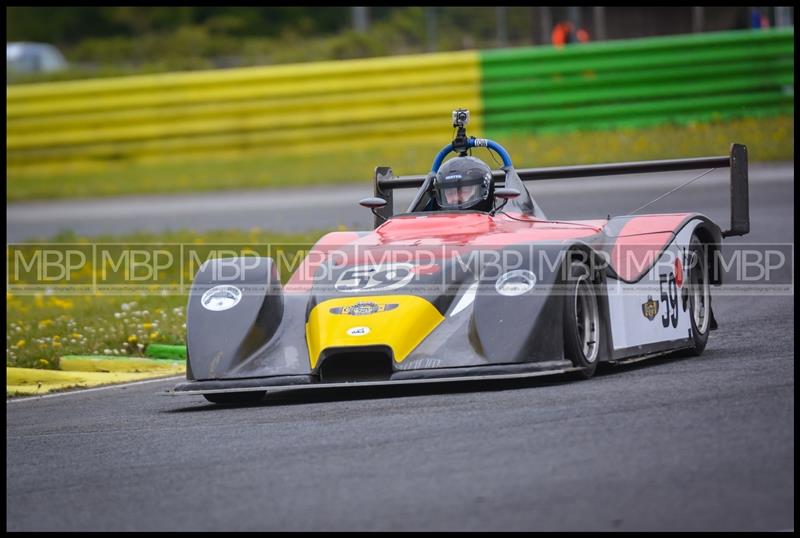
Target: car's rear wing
{"points": [[386, 182]]}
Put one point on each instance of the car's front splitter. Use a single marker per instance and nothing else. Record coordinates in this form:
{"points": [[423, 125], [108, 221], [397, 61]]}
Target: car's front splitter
{"points": [[403, 377]]}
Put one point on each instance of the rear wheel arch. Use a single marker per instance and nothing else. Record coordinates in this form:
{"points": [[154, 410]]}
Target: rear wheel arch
{"points": [[711, 239]]}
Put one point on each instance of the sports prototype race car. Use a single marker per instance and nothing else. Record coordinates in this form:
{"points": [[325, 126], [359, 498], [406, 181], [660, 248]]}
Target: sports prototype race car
{"points": [[472, 281]]}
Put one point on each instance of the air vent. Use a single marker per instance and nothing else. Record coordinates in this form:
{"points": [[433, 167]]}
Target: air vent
{"points": [[348, 366]]}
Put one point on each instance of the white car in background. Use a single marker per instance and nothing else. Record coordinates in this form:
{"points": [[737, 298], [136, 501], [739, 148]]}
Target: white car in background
{"points": [[24, 57]]}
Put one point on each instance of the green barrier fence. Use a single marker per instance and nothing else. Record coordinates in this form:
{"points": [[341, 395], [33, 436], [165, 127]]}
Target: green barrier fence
{"points": [[638, 82]]}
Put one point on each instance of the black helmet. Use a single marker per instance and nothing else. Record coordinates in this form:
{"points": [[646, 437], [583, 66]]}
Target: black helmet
{"points": [[464, 183]]}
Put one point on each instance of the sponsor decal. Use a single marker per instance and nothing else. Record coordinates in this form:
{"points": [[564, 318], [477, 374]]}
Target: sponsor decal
{"points": [[373, 278], [363, 309], [221, 298], [650, 308], [358, 331], [678, 272]]}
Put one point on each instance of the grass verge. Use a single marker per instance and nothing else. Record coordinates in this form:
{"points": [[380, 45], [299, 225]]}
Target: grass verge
{"points": [[42, 327], [770, 138]]}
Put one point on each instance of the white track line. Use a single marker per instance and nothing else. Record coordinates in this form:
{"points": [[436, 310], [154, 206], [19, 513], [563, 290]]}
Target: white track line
{"points": [[84, 391]]}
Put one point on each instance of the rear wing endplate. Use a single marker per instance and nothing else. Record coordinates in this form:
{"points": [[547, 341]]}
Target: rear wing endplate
{"points": [[386, 182]]}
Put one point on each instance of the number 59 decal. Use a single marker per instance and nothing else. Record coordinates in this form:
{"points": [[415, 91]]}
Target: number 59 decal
{"points": [[669, 297]]}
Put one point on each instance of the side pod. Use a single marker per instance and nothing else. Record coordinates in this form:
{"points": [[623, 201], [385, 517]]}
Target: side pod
{"points": [[235, 307]]}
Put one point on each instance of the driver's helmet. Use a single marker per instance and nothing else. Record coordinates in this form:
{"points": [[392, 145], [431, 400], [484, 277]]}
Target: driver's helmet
{"points": [[464, 183]]}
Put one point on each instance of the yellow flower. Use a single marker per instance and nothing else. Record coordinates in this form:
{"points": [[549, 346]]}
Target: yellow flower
{"points": [[147, 326], [65, 304], [132, 338], [56, 344], [77, 335], [20, 343], [153, 335], [45, 323]]}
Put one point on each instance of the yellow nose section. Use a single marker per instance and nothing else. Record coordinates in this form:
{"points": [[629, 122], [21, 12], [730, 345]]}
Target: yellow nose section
{"points": [[398, 321]]}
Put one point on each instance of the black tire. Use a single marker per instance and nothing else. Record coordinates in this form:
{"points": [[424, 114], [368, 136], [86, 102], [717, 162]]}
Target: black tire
{"points": [[699, 291], [583, 329], [236, 398]]}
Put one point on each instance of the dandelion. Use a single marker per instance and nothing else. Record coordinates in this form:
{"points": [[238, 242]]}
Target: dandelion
{"points": [[153, 335], [20, 343], [77, 335], [147, 326], [63, 304], [132, 338], [45, 323]]}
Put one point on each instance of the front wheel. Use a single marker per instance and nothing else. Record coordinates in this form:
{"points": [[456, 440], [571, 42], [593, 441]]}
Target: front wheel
{"points": [[582, 320], [236, 398]]}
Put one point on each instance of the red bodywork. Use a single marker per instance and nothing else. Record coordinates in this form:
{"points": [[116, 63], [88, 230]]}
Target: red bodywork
{"points": [[641, 238]]}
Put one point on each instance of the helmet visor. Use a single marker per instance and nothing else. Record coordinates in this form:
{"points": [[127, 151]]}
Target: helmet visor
{"points": [[461, 191]]}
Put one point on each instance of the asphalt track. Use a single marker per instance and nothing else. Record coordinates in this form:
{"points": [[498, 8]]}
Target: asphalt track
{"points": [[318, 208], [675, 443]]}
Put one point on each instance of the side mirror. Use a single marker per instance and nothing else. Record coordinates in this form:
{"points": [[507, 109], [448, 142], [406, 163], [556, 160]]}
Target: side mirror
{"points": [[506, 194], [373, 202]]}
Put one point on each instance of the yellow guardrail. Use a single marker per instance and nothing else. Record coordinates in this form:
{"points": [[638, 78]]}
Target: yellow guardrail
{"points": [[353, 103]]}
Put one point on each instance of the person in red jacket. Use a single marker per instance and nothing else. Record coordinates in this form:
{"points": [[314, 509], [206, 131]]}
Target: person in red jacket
{"points": [[564, 32]]}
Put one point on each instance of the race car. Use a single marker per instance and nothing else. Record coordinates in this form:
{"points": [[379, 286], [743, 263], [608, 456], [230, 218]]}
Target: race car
{"points": [[472, 281]]}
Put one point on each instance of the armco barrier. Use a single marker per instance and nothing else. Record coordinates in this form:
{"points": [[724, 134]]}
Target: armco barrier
{"points": [[379, 100], [402, 100]]}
